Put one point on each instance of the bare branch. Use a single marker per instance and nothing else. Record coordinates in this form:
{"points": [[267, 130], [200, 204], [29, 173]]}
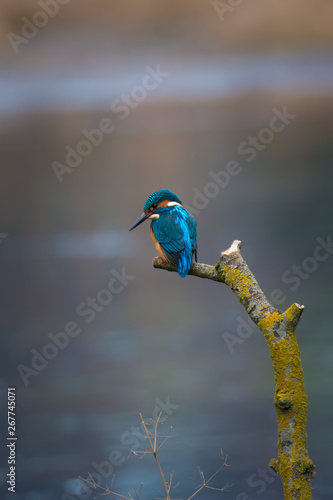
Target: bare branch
{"points": [[279, 329], [106, 491], [206, 484], [166, 486]]}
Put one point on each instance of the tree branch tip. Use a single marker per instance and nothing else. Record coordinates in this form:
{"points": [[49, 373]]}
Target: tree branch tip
{"points": [[159, 263], [274, 465], [294, 313], [234, 248]]}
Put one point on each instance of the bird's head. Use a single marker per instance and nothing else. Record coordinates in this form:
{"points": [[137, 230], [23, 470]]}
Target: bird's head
{"points": [[157, 203]]}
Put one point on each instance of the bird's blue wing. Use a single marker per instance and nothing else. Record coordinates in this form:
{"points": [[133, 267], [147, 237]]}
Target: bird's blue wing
{"points": [[169, 231], [192, 228], [176, 233]]}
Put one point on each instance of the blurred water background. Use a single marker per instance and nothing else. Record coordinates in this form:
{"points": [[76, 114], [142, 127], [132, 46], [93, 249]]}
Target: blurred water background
{"points": [[221, 77]]}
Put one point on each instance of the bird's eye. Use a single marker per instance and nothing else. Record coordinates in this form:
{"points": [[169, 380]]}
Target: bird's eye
{"points": [[154, 206]]}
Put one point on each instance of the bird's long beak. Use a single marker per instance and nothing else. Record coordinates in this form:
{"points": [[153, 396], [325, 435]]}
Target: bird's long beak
{"points": [[142, 217]]}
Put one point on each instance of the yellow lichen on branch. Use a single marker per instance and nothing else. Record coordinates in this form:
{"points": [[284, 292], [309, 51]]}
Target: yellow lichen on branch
{"points": [[293, 463], [237, 281], [278, 327]]}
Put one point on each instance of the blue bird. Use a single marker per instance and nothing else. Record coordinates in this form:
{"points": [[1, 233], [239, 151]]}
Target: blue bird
{"points": [[173, 229]]}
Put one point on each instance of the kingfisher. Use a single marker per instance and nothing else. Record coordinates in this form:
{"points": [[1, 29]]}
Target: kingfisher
{"points": [[173, 229]]}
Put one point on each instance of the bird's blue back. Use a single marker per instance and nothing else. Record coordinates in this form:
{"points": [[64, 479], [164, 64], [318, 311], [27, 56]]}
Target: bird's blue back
{"points": [[176, 232]]}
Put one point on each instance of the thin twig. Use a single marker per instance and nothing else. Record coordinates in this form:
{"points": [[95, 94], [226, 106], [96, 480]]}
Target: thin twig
{"points": [[155, 455], [107, 491], [206, 483]]}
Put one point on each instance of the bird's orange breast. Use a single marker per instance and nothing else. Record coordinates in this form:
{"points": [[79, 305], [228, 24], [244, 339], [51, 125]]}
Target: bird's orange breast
{"points": [[160, 250]]}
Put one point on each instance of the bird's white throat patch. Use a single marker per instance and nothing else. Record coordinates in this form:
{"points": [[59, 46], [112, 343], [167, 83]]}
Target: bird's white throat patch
{"points": [[154, 216]]}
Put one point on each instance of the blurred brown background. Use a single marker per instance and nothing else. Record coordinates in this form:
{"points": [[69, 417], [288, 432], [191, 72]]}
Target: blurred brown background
{"points": [[259, 24], [220, 79]]}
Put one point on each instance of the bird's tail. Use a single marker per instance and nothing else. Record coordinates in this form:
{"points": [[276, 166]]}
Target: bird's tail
{"points": [[184, 263]]}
